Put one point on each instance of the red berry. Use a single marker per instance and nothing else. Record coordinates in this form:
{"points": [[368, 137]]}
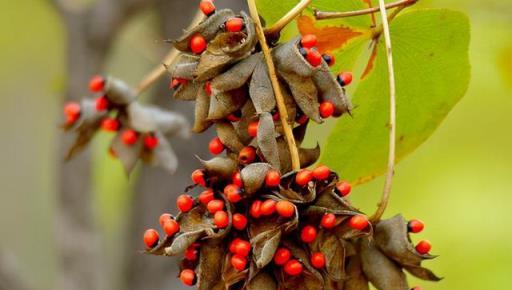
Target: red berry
{"points": [[151, 238], [232, 192], [308, 40], [208, 88], [423, 247], [293, 268], [207, 7], [188, 277], [255, 210], [241, 247], [239, 262], [199, 177], [191, 253], [206, 196], [237, 179], [321, 172], [171, 227], [247, 155], [273, 178], [221, 219], [329, 59], [215, 146], [268, 207], [328, 221], [176, 82], [285, 208], [239, 221], [252, 129], [308, 234], [150, 141], [232, 245], [102, 103], [275, 115], [343, 188], [215, 206], [129, 137], [72, 112], [326, 109], [345, 78], [97, 84], [234, 24], [163, 218], [303, 177], [282, 256], [415, 226], [110, 125], [185, 202], [314, 58], [318, 260], [197, 44], [235, 116], [358, 222]]}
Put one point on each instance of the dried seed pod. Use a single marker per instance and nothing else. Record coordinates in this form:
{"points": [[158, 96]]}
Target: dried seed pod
{"points": [[261, 90], [262, 281], [127, 154], [305, 94], [188, 91], [309, 156], [310, 279], [253, 177], [248, 115], [201, 122], [334, 251], [331, 91], [210, 265], [238, 75], [267, 142], [163, 155], [227, 134], [185, 67], [151, 119], [221, 167], [119, 92], [289, 60], [224, 103], [356, 279]]}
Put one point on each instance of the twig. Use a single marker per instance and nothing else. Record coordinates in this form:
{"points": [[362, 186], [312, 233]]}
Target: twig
{"points": [[392, 118], [329, 15], [281, 23], [281, 106], [161, 69]]}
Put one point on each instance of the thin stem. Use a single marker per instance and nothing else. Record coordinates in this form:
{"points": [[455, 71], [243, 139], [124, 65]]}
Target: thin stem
{"points": [[329, 15], [281, 106], [169, 59], [281, 23], [392, 118]]}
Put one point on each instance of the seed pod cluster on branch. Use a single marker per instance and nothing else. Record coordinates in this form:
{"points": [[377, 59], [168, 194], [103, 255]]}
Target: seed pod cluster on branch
{"points": [[249, 220], [141, 131]]}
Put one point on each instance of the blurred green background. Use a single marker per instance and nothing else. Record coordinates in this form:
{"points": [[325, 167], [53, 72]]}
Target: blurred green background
{"points": [[458, 182]]}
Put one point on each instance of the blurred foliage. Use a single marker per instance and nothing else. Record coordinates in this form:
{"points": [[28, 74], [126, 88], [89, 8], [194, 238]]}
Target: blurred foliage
{"points": [[457, 182]]}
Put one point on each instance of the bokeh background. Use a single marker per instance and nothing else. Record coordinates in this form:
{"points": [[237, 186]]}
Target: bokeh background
{"points": [[459, 182]]}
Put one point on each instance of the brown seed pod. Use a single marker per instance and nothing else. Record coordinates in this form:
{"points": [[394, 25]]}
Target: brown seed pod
{"points": [[118, 92], [163, 155], [331, 91], [224, 103], [248, 115], [185, 67], [228, 136], [152, 119], [221, 167], [267, 142], [262, 281], [355, 277], [210, 264], [334, 251], [188, 91], [238, 75], [127, 154], [253, 176], [289, 60], [310, 279], [201, 122], [260, 89], [305, 94]]}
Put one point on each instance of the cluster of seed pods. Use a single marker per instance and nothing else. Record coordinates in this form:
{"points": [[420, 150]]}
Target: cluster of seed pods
{"points": [[248, 220]]}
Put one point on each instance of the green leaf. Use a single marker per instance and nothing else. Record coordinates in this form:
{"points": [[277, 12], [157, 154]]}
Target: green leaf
{"points": [[430, 50]]}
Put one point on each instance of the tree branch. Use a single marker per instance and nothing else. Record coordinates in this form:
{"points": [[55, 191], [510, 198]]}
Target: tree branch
{"points": [[319, 15], [281, 23]]}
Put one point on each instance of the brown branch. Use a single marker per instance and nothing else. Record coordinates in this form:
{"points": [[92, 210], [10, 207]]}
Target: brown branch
{"points": [[319, 15], [281, 106], [281, 23], [392, 118]]}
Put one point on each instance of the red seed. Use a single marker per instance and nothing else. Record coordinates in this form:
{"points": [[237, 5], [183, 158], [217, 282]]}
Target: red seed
{"points": [[308, 40], [176, 82], [215, 146], [268, 207], [415, 226], [208, 88], [273, 178], [329, 59], [241, 248], [197, 44], [318, 260], [72, 112], [235, 117], [423, 247], [221, 219], [328, 221], [239, 262], [308, 234], [188, 277], [150, 141], [171, 227], [326, 109], [233, 244], [237, 179], [163, 218], [191, 253], [302, 119], [110, 125], [314, 58], [416, 288], [321, 172], [293, 268], [285, 208], [233, 193], [97, 84], [102, 103], [206, 196], [207, 7], [247, 155], [151, 238], [215, 206], [184, 202], [343, 188], [129, 137], [358, 222], [198, 177], [252, 129], [255, 210], [282, 256], [275, 115], [239, 221], [345, 78], [303, 177], [234, 24]]}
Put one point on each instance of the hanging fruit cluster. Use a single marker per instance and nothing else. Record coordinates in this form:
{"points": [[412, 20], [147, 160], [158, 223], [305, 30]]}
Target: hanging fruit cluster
{"points": [[250, 221], [141, 131]]}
